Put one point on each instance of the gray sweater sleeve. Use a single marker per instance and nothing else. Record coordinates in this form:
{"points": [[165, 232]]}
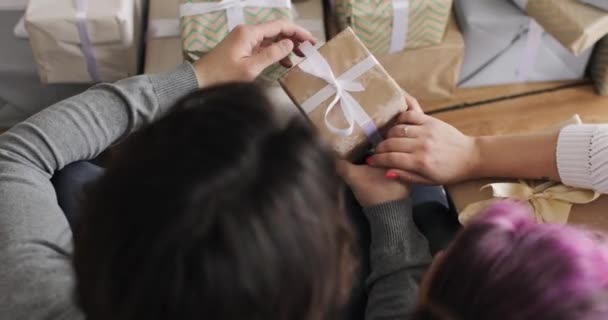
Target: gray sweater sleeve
{"points": [[399, 256], [36, 277]]}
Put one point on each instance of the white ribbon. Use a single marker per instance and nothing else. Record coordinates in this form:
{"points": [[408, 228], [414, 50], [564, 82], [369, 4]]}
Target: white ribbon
{"points": [[86, 45], [401, 16], [341, 87], [533, 43], [234, 8], [163, 28]]}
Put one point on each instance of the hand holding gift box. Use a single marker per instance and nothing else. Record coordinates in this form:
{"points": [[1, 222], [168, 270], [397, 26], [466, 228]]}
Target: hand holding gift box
{"points": [[345, 92], [410, 23], [206, 23]]}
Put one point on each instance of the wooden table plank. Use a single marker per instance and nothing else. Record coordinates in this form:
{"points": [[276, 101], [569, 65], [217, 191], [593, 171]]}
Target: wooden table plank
{"points": [[529, 113], [473, 96]]}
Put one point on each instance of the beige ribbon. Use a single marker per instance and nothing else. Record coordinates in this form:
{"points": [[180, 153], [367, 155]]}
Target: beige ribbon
{"points": [[551, 202]]}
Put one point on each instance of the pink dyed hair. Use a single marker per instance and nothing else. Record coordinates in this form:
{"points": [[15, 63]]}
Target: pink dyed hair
{"points": [[504, 266]]}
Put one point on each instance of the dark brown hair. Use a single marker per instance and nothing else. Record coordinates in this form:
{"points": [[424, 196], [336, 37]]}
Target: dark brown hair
{"points": [[217, 211]]}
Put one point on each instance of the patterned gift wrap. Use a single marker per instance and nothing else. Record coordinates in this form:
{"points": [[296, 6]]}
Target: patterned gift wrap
{"points": [[372, 21]]}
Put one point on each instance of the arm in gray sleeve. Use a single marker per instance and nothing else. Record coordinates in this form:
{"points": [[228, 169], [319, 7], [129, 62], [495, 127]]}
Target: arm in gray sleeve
{"points": [[399, 256], [35, 240]]}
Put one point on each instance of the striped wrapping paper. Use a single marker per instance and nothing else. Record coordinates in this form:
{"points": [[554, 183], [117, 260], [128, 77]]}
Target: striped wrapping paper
{"points": [[372, 21], [201, 33]]}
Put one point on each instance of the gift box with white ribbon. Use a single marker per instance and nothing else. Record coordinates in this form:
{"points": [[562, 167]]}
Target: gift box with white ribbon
{"points": [[346, 94], [390, 26]]}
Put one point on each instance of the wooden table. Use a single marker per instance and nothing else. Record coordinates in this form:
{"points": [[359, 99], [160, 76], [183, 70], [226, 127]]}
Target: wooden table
{"points": [[529, 112], [523, 113]]}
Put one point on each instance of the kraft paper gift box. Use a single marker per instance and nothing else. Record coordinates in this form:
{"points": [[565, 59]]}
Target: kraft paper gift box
{"points": [[429, 73], [503, 45], [598, 67], [85, 40], [394, 25], [549, 202], [163, 45], [343, 81], [575, 25], [206, 23], [21, 92], [602, 4]]}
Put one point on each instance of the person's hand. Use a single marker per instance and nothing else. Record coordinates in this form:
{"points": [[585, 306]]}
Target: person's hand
{"points": [[370, 185], [425, 150], [248, 50]]}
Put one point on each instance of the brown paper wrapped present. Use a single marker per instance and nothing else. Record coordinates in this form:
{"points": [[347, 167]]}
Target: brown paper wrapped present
{"points": [[394, 25], [576, 25], [365, 93], [163, 45], [553, 203], [598, 67], [429, 73]]}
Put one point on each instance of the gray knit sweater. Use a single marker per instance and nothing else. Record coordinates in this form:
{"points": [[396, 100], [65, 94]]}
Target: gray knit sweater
{"points": [[36, 276]]}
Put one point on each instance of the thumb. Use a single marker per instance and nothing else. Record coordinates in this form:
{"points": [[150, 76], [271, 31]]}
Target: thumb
{"points": [[272, 54]]}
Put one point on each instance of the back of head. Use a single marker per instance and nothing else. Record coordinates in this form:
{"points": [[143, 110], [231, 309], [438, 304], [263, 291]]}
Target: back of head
{"points": [[217, 211], [505, 266]]}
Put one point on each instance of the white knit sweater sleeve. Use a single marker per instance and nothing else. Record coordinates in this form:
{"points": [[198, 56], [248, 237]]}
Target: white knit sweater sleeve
{"points": [[582, 156]]}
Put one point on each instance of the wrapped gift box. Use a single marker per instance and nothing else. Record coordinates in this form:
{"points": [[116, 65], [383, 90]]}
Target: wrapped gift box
{"points": [[99, 42], [21, 92], [590, 214], [602, 4], [206, 23], [598, 67], [575, 25], [390, 26], [368, 94], [503, 45], [429, 73], [163, 45]]}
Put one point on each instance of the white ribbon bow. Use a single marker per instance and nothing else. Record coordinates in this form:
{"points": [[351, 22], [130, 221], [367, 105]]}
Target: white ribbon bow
{"points": [[234, 8], [341, 86]]}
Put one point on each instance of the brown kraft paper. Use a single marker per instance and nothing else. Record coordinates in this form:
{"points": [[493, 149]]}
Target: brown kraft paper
{"points": [[575, 25], [429, 73], [382, 98]]}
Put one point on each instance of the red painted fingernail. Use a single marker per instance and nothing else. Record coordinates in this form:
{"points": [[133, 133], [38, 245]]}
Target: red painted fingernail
{"points": [[369, 161], [391, 174]]}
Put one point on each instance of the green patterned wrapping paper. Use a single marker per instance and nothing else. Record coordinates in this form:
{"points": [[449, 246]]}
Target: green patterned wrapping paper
{"points": [[598, 67], [201, 33], [372, 21]]}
